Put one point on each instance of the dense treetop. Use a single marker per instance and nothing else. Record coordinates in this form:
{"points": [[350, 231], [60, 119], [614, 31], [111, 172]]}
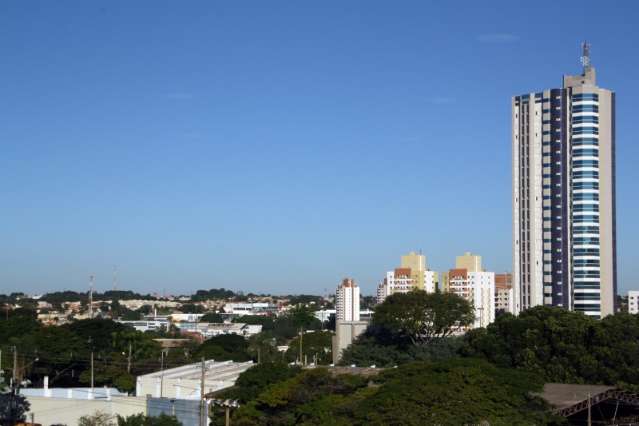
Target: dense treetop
{"points": [[562, 346]]}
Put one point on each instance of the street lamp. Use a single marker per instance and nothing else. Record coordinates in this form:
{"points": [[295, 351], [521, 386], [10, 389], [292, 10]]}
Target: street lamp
{"points": [[228, 404]]}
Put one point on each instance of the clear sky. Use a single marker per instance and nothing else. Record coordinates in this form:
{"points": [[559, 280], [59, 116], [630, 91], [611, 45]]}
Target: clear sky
{"points": [[280, 146]]}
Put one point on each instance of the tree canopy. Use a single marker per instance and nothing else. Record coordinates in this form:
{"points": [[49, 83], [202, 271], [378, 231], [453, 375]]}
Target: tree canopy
{"points": [[316, 345], [459, 391], [562, 346], [415, 326], [421, 317], [225, 347], [257, 378], [212, 317], [144, 420], [454, 392], [13, 408]]}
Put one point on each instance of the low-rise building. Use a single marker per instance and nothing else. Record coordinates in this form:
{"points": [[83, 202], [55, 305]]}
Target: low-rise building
{"points": [[256, 308], [52, 318], [184, 382], [181, 317], [633, 301], [145, 325], [324, 315], [66, 405], [135, 304], [211, 329]]}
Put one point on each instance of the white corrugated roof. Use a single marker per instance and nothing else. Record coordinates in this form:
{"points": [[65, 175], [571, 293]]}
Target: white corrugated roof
{"points": [[214, 370]]}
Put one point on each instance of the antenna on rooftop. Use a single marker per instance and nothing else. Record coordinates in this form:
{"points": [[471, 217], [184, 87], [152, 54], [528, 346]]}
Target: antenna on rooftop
{"points": [[91, 296], [585, 56]]}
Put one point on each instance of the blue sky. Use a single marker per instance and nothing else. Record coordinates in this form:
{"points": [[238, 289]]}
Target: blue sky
{"points": [[280, 146]]}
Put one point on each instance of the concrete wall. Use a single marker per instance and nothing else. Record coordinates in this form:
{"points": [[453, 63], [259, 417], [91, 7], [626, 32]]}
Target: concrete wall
{"points": [[48, 411], [345, 333], [186, 411]]}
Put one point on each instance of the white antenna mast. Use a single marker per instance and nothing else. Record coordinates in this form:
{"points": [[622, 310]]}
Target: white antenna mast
{"points": [[91, 297], [585, 56]]}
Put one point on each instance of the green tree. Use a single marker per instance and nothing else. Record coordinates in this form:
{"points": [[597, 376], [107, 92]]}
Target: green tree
{"points": [[316, 345], [420, 317], [19, 324], [98, 418], [313, 397], [129, 315], [144, 420], [212, 294], [225, 347], [191, 308], [13, 408], [212, 317], [98, 331], [454, 392], [562, 346], [367, 351], [267, 323], [303, 317], [257, 378]]}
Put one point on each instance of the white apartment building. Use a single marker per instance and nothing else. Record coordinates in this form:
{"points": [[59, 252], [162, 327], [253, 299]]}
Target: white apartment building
{"points": [[347, 301], [479, 289], [633, 302], [412, 274]]}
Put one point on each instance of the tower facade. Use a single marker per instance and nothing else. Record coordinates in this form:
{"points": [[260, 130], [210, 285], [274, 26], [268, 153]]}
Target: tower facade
{"points": [[564, 230], [347, 301]]}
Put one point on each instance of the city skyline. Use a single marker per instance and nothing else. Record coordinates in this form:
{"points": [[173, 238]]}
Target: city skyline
{"points": [[246, 148]]}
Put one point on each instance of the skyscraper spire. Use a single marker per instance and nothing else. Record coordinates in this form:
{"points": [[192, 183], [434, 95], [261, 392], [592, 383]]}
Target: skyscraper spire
{"points": [[585, 56]]}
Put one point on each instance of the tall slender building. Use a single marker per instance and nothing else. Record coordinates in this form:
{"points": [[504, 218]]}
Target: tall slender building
{"points": [[564, 242], [347, 301]]}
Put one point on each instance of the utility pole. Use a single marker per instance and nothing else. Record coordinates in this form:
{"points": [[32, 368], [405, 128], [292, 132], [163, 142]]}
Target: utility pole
{"points": [[227, 421], [203, 413], [162, 374], [14, 377], [91, 371], [589, 411], [91, 345], [128, 363], [301, 337]]}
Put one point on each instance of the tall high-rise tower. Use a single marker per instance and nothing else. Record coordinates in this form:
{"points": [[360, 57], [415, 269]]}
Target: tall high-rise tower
{"points": [[564, 231], [347, 301]]}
